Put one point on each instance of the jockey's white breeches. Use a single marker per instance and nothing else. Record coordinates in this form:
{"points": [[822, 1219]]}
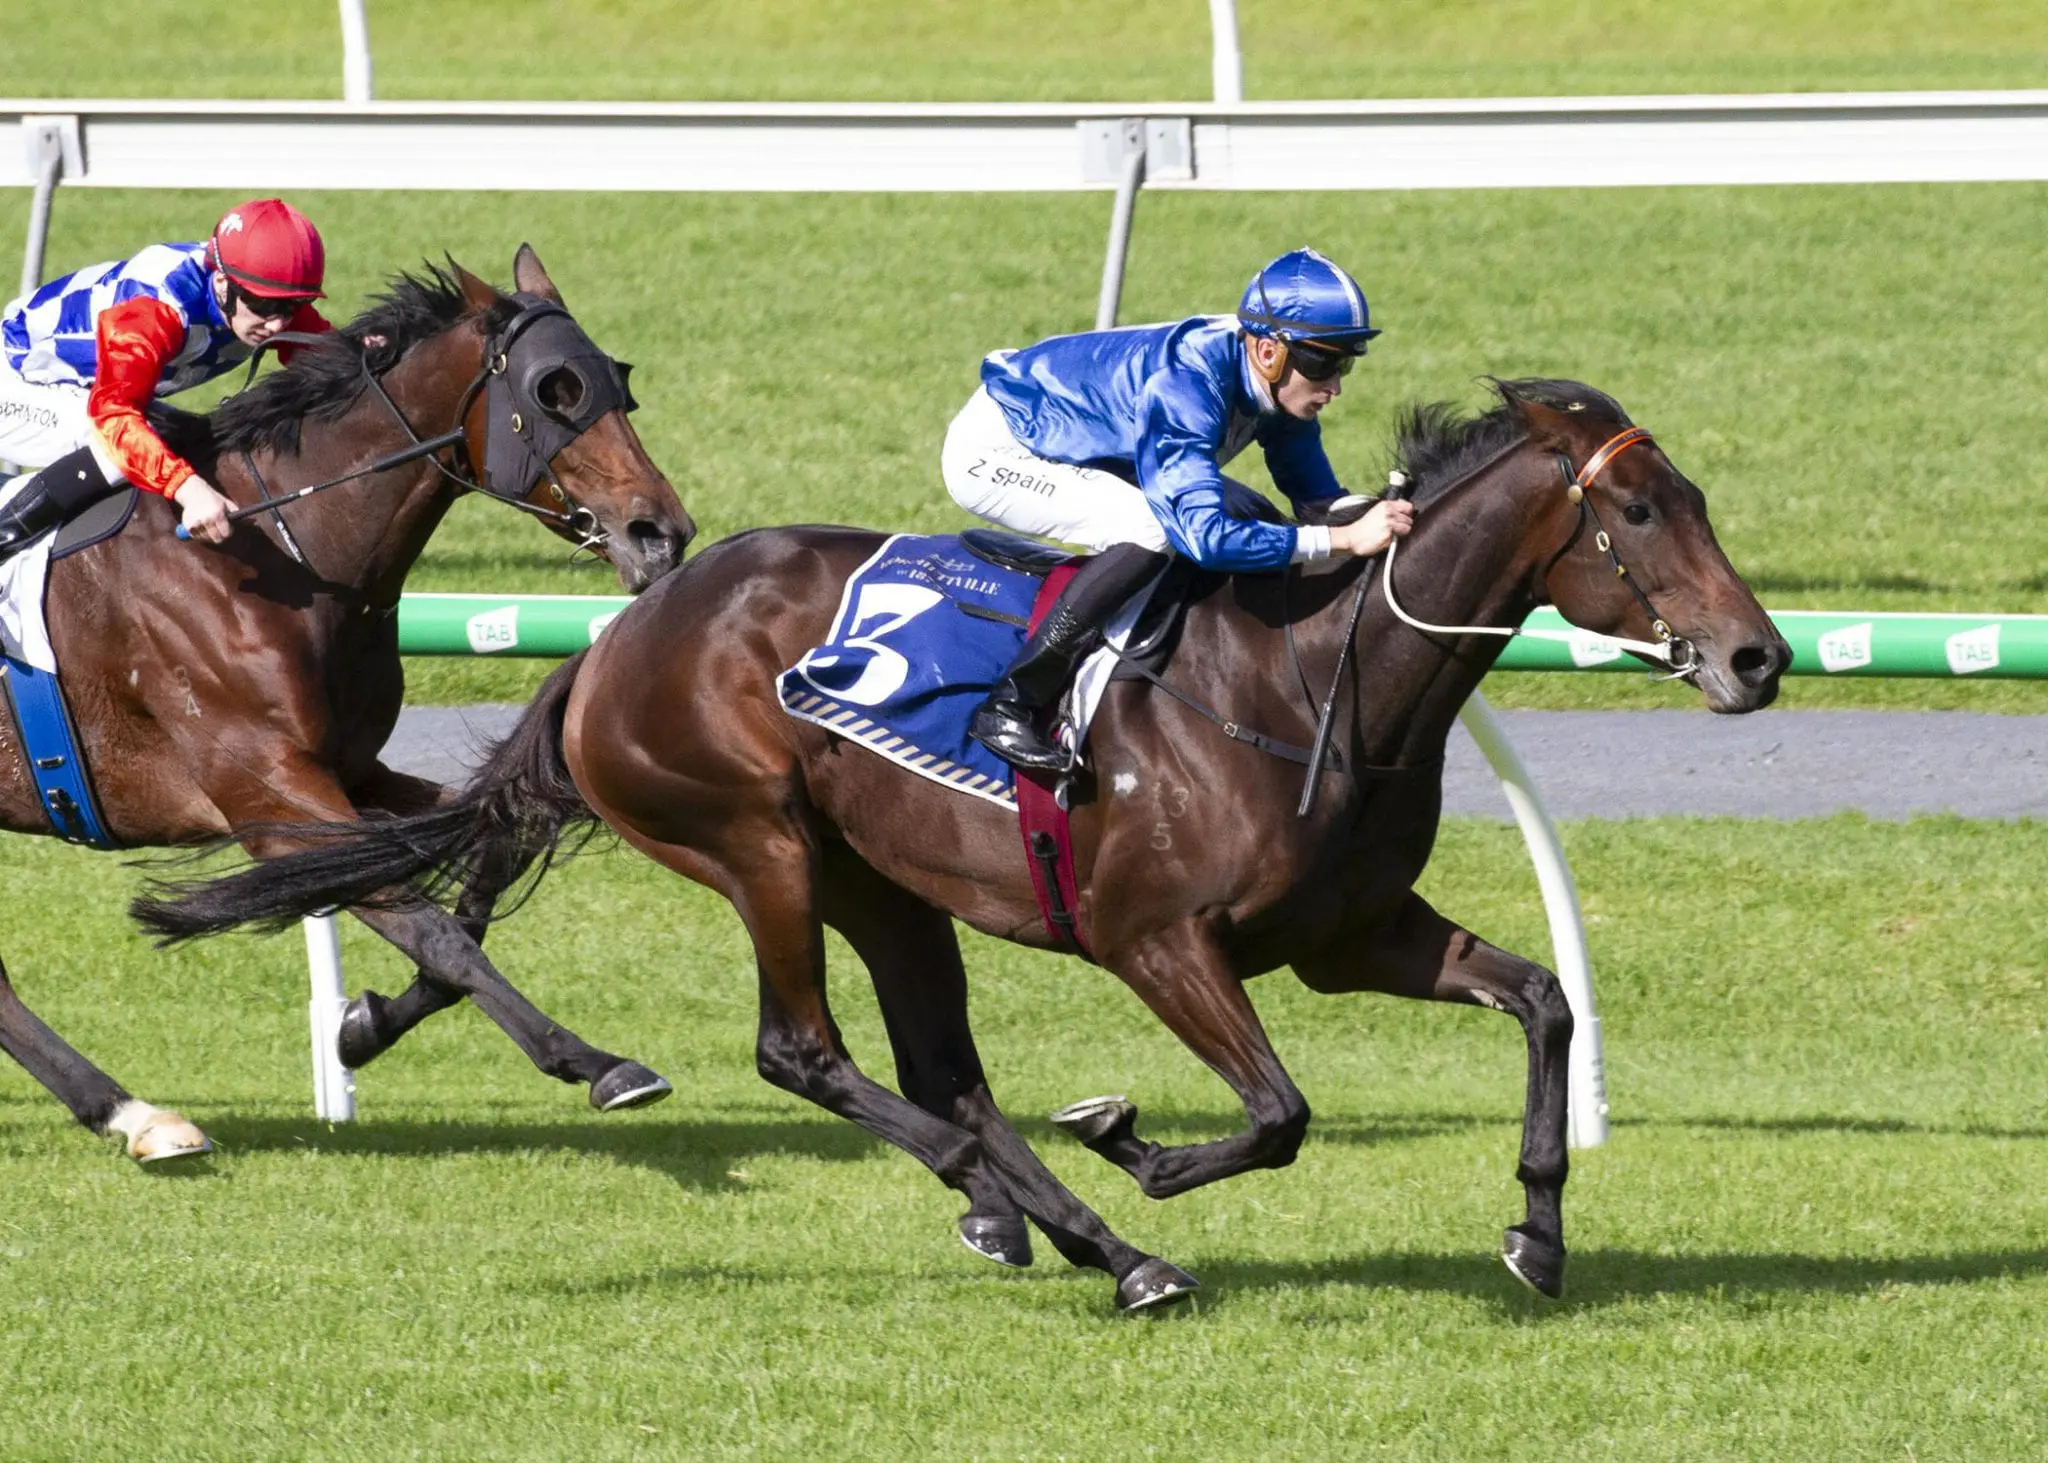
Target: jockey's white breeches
{"points": [[993, 475], [39, 423]]}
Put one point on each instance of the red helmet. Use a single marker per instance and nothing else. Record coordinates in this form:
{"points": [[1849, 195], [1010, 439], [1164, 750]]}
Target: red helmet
{"points": [[269, 248]]}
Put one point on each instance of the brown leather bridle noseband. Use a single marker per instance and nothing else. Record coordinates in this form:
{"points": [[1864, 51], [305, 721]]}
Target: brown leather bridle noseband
{"points": [[1680, 653]]}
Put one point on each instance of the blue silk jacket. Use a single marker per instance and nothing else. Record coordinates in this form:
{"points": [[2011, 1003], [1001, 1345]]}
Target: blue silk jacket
{"points": [[1166, 407]]}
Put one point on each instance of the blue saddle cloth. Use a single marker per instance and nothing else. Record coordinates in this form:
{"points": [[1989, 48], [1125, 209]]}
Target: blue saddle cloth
{"points": [[924, 631]]}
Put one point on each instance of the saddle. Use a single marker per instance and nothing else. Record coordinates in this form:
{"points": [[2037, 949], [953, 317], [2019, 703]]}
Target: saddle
{"points": [[1158, 629]]}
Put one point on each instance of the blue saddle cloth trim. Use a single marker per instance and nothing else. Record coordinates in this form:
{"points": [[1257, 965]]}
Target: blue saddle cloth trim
{"points": [[54, 760], [924, 632]]}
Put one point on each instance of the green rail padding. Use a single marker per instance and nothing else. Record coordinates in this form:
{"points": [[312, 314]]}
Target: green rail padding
{"points": [[1998, 647], [552, 625]]}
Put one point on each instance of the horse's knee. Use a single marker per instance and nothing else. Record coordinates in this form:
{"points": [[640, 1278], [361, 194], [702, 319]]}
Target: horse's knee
{"points": [[793, 1060], [1546, 1012], [1278, 1140]]}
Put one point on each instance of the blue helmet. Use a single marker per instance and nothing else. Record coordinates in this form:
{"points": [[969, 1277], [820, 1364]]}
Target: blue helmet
{"points": [[1301, 296]]}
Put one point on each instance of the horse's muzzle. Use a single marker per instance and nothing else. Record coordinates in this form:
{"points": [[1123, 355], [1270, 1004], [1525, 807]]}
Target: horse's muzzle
{"points": [[649, 548], [1747, 678]]}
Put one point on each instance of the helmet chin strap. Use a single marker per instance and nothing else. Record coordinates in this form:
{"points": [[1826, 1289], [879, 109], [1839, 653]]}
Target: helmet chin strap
{"points": [[1279, 367]]}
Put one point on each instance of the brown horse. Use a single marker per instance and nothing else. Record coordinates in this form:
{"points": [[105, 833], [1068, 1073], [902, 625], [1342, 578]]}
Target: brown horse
{"points": [[252, 685], [1195, 871]]}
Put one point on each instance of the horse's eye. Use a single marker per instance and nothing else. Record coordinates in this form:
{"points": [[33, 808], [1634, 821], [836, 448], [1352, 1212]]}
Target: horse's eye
{"points": [[561, 391], [1637, 513]]}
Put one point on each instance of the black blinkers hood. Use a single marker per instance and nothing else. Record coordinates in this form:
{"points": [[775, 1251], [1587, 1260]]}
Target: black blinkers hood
{"points": [[548, 384]]}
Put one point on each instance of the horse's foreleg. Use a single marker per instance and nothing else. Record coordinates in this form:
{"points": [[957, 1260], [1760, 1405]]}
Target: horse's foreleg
{"points": [[371, 1024], [913, 956], [1416, 952], [436, 942], [1185, 977], [98, 1102]]}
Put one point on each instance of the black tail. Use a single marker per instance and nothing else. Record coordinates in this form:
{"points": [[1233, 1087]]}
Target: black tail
{"points": [[517, 808]]}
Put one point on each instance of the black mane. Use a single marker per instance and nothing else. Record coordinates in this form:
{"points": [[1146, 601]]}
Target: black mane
{"points": [[1437, 445], [323, 380]]}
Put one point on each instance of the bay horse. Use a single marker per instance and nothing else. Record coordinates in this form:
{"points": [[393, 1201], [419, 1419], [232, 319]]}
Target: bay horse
{"points": [[254, 684], [1195, 871]]}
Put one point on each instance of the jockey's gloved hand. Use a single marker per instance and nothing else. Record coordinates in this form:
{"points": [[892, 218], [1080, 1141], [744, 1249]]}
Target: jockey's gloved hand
{"points": [[1385, 521], [206, 512]]}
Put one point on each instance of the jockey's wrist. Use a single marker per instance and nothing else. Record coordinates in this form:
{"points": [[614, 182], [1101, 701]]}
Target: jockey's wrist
{"points": [[1311, 542]]}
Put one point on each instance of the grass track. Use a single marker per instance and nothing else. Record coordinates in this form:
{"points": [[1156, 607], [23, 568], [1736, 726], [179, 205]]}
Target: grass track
{"points": [[1854, 374], [1055, 50], [1820, 1230]]}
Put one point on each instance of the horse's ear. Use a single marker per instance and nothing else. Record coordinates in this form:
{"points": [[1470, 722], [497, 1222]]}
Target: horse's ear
{"points": [[480, 294], [529, 277], [1548, 425]]}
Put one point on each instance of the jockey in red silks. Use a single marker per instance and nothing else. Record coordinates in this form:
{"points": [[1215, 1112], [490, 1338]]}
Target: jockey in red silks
{"points": [[82, 357]]}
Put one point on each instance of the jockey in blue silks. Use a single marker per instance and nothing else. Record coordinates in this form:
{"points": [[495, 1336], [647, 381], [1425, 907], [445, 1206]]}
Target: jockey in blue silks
{"points": [[1117, 439]]}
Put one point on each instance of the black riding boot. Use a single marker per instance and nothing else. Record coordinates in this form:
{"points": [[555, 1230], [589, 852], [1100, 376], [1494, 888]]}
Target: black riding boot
{"points": [[60, 492], [1007, 723]]}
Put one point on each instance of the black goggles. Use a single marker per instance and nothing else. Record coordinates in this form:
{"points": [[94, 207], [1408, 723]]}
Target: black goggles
{"points": [[1320, 363], [268, 307]]}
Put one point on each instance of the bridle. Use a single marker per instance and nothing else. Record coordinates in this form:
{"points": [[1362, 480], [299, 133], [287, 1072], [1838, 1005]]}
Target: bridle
{"points": [[522, 433], [1673, 650]]}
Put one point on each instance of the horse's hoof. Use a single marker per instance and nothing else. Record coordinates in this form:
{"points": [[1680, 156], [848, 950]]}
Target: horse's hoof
{"points": [[628, 1085], [1537, 1263], [165, 1136], [1095, 1118], [360, 1039], [1153, 1284], [1004, 1238]]}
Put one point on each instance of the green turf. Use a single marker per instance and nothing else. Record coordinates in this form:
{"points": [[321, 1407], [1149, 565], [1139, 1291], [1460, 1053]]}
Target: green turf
{"points": [[1853, 374], [1820, 1230], [1056, 50]]}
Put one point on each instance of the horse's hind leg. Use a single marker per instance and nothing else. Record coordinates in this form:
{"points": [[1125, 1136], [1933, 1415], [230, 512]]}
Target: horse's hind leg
{"points": [[1416, 952], [768, 867], [95, 1099], [913, 956]]}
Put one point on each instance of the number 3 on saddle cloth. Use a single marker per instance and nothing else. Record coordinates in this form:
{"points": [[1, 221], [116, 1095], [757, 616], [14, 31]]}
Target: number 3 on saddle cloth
{"points": [[31, 696], [925, 630]]}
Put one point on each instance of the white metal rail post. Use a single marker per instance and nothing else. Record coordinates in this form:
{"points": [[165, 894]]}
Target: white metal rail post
{"points": [[1226, 66], [50, 148], [356, 75], [1586, 1125], [334, 1086], [1131, 136]]}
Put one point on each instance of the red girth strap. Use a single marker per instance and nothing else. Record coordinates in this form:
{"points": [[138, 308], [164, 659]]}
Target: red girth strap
{"points": [[1048, 841]]}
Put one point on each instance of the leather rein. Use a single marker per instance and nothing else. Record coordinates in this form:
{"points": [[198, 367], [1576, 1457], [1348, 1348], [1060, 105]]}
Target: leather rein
{"points": [[1669, 648], [579, 519], [1673, 650]]}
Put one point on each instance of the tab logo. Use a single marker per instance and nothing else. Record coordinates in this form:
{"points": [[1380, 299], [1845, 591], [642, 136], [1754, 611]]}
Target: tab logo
{"points": [[1589, 649], [597, 624], [1846, 649], [1970, 651], [494, 630]]}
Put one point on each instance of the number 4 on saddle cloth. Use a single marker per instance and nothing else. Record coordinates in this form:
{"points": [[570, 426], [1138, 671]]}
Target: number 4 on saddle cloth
{"points": [[31, 696], [925, 630]]}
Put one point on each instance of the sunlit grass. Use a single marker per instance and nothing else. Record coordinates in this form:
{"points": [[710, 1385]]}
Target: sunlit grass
{"points": [[1853, 374], [1820, 1230]]}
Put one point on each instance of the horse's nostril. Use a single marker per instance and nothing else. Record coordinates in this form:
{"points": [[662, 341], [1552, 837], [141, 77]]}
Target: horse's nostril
{"points": [[1755, 665], [652, 539]]}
